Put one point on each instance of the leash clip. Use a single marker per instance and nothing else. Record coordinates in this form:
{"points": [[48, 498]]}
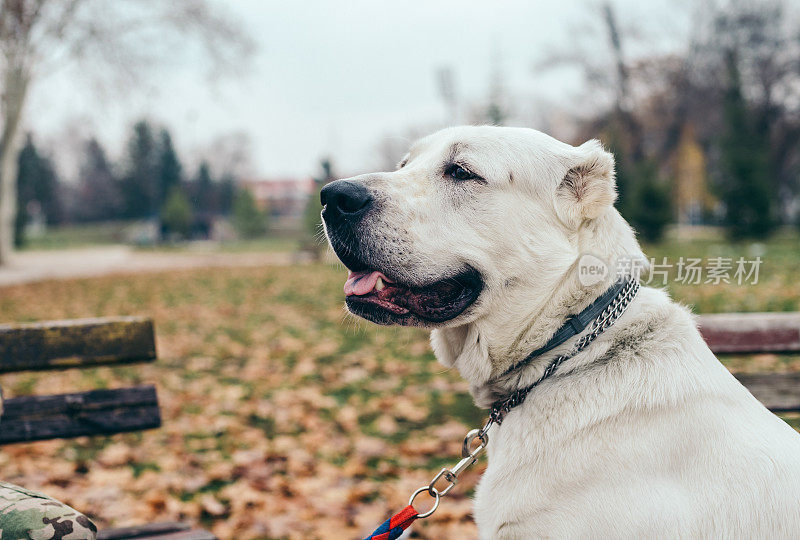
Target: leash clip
{"points": [[482, 434], [469, 456]]}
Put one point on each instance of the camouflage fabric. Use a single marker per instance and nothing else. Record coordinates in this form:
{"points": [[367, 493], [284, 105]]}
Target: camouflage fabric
{"points": [[28, 515]]}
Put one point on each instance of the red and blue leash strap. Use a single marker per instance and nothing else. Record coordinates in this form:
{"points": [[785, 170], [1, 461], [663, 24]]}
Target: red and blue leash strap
{"points": [[392, 528]]}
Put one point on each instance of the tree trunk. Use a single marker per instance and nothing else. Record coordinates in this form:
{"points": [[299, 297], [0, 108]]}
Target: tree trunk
{"points": [[622, 109], [15, 83]]}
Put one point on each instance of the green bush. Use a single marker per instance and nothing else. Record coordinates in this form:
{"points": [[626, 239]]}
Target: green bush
{"points": [[176, 215], [248, 219]]}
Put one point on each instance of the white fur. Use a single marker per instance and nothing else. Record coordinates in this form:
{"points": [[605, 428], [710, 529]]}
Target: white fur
{"points": [[645, 433]]}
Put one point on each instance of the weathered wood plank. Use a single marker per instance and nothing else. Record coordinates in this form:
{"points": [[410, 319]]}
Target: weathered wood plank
{"points": [[142, 531], [751, 333], [76, 343], [197, 534], [779, 392], [183, 534], [99, 412]]}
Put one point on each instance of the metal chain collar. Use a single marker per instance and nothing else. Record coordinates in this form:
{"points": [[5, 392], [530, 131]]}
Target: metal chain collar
{"points": [[609, 315], [499, 409]]}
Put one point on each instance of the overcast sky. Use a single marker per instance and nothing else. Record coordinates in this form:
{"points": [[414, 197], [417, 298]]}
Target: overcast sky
{"points": [[334, 78]]}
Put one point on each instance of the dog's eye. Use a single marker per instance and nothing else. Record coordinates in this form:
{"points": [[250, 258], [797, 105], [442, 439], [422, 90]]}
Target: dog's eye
{"points": [[457, 172]]}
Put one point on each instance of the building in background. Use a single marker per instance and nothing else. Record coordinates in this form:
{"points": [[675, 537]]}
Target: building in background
{"points": [[284, 199]]}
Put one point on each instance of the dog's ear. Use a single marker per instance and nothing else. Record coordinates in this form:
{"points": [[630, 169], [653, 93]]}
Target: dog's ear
{"points": [[588, 188]]}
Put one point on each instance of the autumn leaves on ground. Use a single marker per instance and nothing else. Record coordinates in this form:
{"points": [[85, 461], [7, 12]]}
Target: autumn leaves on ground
{"points": [[283, 417]]}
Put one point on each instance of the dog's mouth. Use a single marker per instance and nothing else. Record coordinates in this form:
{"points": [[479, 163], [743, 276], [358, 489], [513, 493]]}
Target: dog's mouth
{"points": [[375, 297]]}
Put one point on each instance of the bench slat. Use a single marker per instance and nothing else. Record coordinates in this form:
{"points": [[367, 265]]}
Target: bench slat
{"points": [[156, 531], [197, 534], [171, 530], [99, 412], [76, 343], [751, 333], [779, 392], [142, 531]]}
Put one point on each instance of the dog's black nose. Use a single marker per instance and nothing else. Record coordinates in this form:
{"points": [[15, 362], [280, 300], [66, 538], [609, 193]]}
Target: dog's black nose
{"points": [[345, 198]]}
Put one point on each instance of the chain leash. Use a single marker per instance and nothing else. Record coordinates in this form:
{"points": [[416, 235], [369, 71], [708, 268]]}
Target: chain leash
{"points": [[469, 456], [471, 452]]}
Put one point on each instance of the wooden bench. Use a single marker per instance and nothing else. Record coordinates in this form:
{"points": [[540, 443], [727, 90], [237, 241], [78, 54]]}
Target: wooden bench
{"points": [[757, 333], [80, 344]]}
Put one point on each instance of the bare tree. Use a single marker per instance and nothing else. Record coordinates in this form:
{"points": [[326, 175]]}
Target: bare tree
{"points": [[121, 40]]}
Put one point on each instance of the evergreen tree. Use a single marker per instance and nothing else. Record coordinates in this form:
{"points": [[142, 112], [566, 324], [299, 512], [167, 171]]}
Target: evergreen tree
{"points": [[169, 168], [176, 214], [312, 219], [204, 191], [139, 184], [37, 188], [643, 198], [226, 192], [745, 188], [653, 205], [248, 219], [624, 175], [99, 196], [495, 114]]}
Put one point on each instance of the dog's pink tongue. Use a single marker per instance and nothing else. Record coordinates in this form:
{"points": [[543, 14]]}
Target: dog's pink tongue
{"points": [[361, 283]]}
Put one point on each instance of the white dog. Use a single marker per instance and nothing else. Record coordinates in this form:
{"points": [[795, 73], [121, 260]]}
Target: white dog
{"points": [[643, 433]]}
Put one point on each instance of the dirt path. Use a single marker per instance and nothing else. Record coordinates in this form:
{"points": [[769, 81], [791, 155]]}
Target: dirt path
{"points": [[31, 266]]}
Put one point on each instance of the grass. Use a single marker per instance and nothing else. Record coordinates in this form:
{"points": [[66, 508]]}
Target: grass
{"points": [[282, 416], [778, 287]]}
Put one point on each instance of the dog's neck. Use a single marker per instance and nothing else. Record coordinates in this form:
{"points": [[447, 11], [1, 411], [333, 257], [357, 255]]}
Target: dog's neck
{"points": [[485, 348], [487, 351]]}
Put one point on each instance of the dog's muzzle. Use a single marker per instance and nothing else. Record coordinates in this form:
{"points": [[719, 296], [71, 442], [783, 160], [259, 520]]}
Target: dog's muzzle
{"points": [[374, 289]]}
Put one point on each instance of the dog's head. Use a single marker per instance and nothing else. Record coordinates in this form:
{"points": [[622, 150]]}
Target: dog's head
{"points": [[472, 219]]}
